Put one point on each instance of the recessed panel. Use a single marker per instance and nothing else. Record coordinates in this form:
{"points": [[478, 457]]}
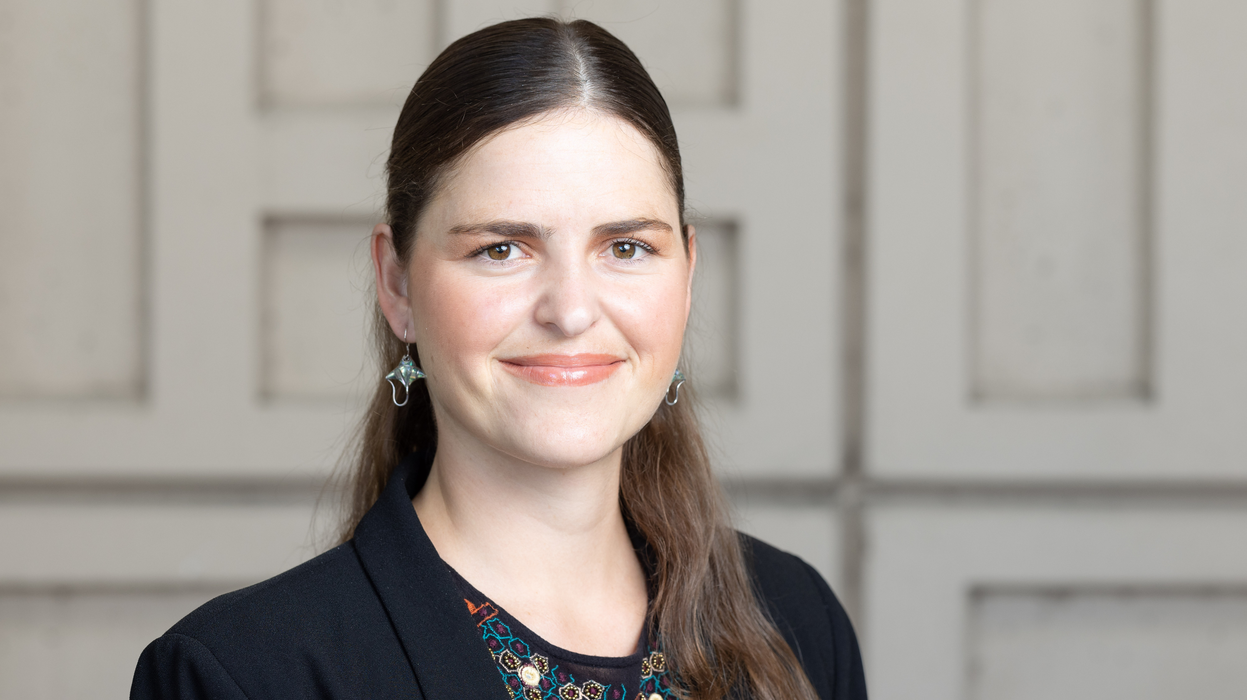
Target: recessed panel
{"points": [[936, 337], [711, 344], [329, 52], [689, 47], [318, 297], [70, 199], [1060, 212], [70, 645], [1075, 646], [1059, 597]]}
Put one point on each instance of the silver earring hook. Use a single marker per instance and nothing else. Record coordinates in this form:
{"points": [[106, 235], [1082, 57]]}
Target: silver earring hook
{"points": [[678, 380], [394, 394]]}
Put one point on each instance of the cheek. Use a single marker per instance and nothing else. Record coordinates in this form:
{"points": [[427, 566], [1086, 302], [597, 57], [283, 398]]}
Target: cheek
{"points": [[652, 317], [460, 317]]}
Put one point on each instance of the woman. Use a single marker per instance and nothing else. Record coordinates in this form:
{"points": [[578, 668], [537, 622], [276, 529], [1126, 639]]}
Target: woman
{"points": [[534, 514]]}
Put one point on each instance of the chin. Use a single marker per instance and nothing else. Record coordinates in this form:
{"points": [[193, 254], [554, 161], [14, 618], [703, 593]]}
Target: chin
{"points": [[566, 447]]}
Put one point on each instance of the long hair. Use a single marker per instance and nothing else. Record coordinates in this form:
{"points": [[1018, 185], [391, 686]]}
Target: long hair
{"points": [[718, 640]]}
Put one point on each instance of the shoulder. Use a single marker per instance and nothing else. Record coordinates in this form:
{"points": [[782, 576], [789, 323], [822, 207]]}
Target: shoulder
{"points": [[300, 596], [319, 624], [796, 596], [782, 579], [810, 618]]}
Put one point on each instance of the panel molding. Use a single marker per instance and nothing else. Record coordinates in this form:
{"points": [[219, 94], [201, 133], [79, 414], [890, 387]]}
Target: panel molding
{"points": [[922, 422], [67, 367], [315, 329], [925, 562], [1093, 342], [221, 164], [712, 337], [308, 82], [83, 642], [1097, 641]]}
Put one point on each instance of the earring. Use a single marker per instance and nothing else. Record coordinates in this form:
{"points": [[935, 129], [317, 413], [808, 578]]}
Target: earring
{"points": [[406, 373], [678, 380]]}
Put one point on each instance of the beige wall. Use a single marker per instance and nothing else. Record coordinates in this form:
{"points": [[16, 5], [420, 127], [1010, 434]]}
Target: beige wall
{"points": [[968, 316]]}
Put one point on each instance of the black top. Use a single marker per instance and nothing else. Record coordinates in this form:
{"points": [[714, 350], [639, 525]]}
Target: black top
{"points": [[381, 617], [535, 669]]}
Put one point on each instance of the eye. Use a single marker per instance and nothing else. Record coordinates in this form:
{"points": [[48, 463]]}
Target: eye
{"points": [[629, 249], [502, 251], [623, 250]]}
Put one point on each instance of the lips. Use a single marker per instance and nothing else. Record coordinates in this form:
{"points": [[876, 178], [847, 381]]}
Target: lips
{"points": [[563, 370]]}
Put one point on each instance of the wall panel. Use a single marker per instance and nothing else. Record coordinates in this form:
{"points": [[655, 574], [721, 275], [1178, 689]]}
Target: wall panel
{"points": [[71, 199], [109, 571], [1061, 218], [332, 53], [83, 644], [1009, 240], [1149, 645], [268, 123], [712, 344], [927, 563], [145, 541], [689, 47], [317, 308]]}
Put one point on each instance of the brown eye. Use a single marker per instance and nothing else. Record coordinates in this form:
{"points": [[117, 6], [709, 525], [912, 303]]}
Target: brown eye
{"points": [[501, 251], [624, 250]]}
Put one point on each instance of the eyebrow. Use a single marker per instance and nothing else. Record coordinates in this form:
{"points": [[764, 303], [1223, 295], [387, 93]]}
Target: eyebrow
{"points": [[623, 228], [507, 229], [522, 229]]}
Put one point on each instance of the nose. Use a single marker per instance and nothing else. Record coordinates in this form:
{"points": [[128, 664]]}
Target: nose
{"points": [[568, 303]]}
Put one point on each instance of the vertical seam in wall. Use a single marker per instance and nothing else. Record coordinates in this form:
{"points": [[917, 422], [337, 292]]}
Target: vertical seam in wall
{"points": [[438, 16], [853, 299], [143, 195], [259, 73], [1147, 210], [262, 228], [261, 389], [973, 328], [735, 54]]}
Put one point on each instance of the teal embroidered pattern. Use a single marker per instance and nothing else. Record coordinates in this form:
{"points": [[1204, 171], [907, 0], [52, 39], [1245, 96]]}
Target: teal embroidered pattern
{"points": [[530, 675]]}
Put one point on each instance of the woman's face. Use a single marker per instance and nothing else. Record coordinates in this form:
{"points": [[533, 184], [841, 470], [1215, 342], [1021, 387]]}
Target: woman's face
{"points": [[548, 290]]}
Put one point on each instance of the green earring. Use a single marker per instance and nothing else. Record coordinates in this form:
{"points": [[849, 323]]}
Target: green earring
{"points": [[677, 380], [406, 373]]}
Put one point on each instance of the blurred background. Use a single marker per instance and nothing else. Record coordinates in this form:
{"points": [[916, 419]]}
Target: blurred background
{"points": [[970, 326]]}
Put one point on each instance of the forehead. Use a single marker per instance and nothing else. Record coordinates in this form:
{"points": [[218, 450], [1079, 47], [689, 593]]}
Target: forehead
{"points": [[569, 164]]}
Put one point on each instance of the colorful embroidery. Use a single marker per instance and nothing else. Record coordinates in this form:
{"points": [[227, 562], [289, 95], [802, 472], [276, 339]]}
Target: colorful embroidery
{"points": [[654, 684], [531, 676]]}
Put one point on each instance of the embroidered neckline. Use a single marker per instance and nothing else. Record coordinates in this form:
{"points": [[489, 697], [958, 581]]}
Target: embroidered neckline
{"points": [[531, 675]]}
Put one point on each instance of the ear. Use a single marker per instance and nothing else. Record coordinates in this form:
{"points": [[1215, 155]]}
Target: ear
{"points": [[391, 281], [692, 267]]}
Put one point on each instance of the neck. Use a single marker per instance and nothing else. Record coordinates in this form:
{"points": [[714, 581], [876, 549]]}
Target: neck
{"points": [[547, 544]]}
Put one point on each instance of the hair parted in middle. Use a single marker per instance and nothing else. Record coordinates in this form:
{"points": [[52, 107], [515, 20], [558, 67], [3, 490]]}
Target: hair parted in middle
{"points": [[718, 639]]}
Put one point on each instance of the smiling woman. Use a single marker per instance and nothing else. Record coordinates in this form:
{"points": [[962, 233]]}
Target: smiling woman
{"points": [[580, 275], [538, 517]]}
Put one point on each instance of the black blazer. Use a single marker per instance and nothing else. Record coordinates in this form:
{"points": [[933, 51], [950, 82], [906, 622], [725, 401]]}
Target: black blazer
{"points": [[381, 617]]}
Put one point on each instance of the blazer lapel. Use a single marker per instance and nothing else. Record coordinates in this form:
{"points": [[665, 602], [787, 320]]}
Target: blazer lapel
{"points": [[415, 587]]}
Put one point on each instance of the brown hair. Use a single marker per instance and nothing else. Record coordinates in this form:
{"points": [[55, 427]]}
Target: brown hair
{"points": [[718, 640]]}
